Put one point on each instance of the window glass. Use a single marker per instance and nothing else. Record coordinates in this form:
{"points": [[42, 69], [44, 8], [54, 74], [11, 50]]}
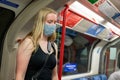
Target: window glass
{"points": [[76, 51], [110, 63], [113, 53], [111, 56]]}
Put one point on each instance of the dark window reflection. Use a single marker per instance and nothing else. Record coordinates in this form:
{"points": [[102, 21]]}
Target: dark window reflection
{"points": [[76, 51]]}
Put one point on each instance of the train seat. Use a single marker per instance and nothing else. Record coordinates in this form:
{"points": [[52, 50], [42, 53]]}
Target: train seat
{"points": [[81, 79], [103, 77], [97, 77]]}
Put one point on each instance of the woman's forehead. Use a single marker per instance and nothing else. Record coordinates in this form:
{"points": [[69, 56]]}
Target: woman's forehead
{"points": [[52, 16]]}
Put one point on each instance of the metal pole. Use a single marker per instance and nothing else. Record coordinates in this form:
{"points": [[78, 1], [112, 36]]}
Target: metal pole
{"points": [[62, 42]]}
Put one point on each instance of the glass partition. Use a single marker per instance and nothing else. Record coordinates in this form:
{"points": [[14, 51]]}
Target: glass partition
{"points": [[76, 51]]}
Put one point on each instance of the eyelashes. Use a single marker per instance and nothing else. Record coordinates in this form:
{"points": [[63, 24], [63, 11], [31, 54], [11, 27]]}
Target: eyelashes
{"points": [[51, 21]]}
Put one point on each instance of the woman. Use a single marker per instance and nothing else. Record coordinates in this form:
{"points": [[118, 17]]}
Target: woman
{"points": [[32, 51]]}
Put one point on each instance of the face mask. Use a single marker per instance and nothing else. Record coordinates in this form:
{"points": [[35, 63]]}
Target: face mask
{"points": [[49, 29]]}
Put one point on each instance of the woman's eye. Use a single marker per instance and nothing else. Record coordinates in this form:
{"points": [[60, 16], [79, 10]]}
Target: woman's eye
{"points": [[50, 22], [55, 22]]}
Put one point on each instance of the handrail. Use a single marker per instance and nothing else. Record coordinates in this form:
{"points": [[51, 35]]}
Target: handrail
{"points": [[62, 41]]}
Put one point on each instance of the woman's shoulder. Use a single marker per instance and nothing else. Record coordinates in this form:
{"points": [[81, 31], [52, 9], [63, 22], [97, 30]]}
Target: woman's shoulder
{"points": [[27, 43]]}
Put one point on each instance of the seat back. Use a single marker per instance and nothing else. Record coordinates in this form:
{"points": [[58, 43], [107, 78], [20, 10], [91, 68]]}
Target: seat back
{"points": [[95, 77], [81, 79], [103, 77]]}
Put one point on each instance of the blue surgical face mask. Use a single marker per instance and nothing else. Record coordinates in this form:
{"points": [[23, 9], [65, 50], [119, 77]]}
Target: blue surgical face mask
{"points": [[49, 29]]}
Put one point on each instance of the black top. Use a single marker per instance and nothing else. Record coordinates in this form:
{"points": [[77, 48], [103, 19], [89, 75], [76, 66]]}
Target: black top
{"points": [[37, 61]]}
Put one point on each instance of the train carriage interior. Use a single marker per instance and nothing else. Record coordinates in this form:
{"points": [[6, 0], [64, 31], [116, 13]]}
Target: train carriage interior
{"points": [[91, 42]]}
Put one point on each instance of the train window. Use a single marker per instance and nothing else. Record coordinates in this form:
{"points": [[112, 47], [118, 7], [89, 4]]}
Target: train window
{"points": [[110, 63], [113, 53], [6, 18], [76, 51], [112, 58]]}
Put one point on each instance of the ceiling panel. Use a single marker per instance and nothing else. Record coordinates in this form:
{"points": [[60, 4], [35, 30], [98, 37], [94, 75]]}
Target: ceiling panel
{"points": [[116, 3]]}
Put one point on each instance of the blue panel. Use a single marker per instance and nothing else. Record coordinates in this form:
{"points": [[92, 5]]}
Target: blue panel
{"points": [[116, 15], [95, 29], [70, 67], [9, 3], [96, 78], [103, 77], [81, 79]]}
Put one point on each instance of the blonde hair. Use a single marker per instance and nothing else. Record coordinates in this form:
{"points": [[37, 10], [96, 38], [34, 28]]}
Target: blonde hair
{"points": [[38, 27]]}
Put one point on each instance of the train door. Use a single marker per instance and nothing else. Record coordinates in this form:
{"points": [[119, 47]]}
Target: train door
{"points": [[111, 59]]}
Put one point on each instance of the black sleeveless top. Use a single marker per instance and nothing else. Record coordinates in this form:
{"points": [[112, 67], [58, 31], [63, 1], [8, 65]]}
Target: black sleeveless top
{"points": [[37, 61]]}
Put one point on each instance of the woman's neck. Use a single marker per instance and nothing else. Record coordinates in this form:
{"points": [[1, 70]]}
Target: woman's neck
{"points": [[43, 38]]}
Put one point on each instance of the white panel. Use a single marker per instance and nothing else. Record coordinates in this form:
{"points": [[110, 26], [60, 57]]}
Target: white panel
{"points": [[113, 53], [82, 26]]}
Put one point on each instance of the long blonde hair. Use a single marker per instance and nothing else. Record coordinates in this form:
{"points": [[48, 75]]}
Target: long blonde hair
{"points": [[38, 27]]}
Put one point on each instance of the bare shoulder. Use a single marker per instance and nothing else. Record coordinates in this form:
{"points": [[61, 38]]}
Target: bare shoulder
{"points": [[27, 43]]}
